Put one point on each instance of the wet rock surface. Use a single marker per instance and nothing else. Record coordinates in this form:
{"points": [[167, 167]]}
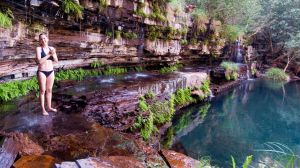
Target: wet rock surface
{"points": [[74, 132], [178, 160], [33, 161]]}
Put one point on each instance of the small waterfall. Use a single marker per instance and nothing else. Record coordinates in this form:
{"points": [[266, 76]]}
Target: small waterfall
{"points": [[141, 46], [211, 94], [249, 74], [238, 54], [164, 87]]}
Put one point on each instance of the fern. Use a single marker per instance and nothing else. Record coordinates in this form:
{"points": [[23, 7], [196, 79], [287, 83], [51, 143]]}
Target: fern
{"points": [[71, 8], [6, 17]]}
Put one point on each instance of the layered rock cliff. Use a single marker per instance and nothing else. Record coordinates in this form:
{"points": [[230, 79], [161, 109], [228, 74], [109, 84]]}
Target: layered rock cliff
{"points": [[121, 32]]}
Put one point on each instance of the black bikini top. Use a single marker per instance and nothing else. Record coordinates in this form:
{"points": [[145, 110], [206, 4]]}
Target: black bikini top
{"points": [[43, 54]]}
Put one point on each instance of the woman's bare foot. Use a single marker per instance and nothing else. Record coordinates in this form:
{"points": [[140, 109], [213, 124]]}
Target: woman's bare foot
{"points": [[45, 113], [52, 109]]}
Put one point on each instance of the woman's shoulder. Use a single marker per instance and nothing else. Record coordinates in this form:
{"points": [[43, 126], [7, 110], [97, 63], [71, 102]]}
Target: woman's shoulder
{"points": [[38, 48]]}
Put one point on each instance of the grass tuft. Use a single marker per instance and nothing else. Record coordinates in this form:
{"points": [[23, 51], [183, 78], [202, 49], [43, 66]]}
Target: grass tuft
{"points": [[276, 74]]}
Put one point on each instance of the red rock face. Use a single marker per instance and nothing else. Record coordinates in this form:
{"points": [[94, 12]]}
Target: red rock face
{"points": [[80, 44], [178, 160], [44, 161]]}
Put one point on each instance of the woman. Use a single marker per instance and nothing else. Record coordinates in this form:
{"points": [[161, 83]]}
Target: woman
{"points": [[45, 56]]}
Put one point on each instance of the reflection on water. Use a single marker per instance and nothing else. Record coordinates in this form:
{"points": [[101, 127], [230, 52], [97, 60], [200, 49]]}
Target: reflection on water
{"points": [[243, 120]]}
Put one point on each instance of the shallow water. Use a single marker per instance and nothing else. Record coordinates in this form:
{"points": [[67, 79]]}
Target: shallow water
{"points": [[241, 122]]}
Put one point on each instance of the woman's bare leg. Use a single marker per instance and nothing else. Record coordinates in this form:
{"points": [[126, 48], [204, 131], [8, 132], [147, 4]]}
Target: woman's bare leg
{"points": [[49, 86], [42, 85]]}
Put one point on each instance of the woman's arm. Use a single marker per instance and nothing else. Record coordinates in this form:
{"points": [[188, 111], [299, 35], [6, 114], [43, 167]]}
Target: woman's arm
{"points": [[39, 59], [53, 52]]}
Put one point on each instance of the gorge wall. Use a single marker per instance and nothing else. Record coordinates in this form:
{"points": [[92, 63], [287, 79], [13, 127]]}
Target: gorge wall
{"points": [[123, 32]]}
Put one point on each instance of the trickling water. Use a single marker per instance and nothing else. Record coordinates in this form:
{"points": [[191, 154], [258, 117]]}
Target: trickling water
{"points": [[141, 46], [239, 57], [108, 80]]}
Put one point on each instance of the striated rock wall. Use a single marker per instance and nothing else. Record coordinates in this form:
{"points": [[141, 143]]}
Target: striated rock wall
{"points": [[81, 42]]}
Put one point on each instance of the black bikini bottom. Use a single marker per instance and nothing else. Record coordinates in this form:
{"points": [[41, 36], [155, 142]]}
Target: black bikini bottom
{"points": [[46, 73]]}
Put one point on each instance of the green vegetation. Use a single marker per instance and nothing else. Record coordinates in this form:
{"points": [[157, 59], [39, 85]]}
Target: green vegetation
{"points": [[77, 74], [6, 16], [205, 87], [184, 42], [170, 69], [37, 27], [183, 97], [11, 90], [72, 8], [149, 95], [231, 32], [109, 34], [96, 64], [143, 104], [246, 163], [168, 141], [158, 11], [204, 162], [231, 69], [165, 33], [159, 113], [14, 89], [117, 34], [140, 10], [130, 35], [114, 70], [276, 74], [147, 127], [138, 69], [162, 111], [154, 32], [102, 4]]}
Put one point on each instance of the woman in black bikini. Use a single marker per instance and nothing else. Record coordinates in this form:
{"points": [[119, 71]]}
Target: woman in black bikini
{"points": [[45, 56]]}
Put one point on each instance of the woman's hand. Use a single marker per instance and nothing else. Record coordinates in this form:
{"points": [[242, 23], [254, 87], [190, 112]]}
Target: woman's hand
{"points": [[52, 51]]}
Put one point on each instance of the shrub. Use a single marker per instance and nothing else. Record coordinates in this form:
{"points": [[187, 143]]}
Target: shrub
{"points": [[193, 41], [276, 74], [147, 127], [183, 97], [143, 104], [117, 34], [130, 35], [149, 95], [6, 17], [153, 32], [231, 32], [162, 112], [184, 42], [231, 69], [140, 10], [72, 8], [169, 33]]}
